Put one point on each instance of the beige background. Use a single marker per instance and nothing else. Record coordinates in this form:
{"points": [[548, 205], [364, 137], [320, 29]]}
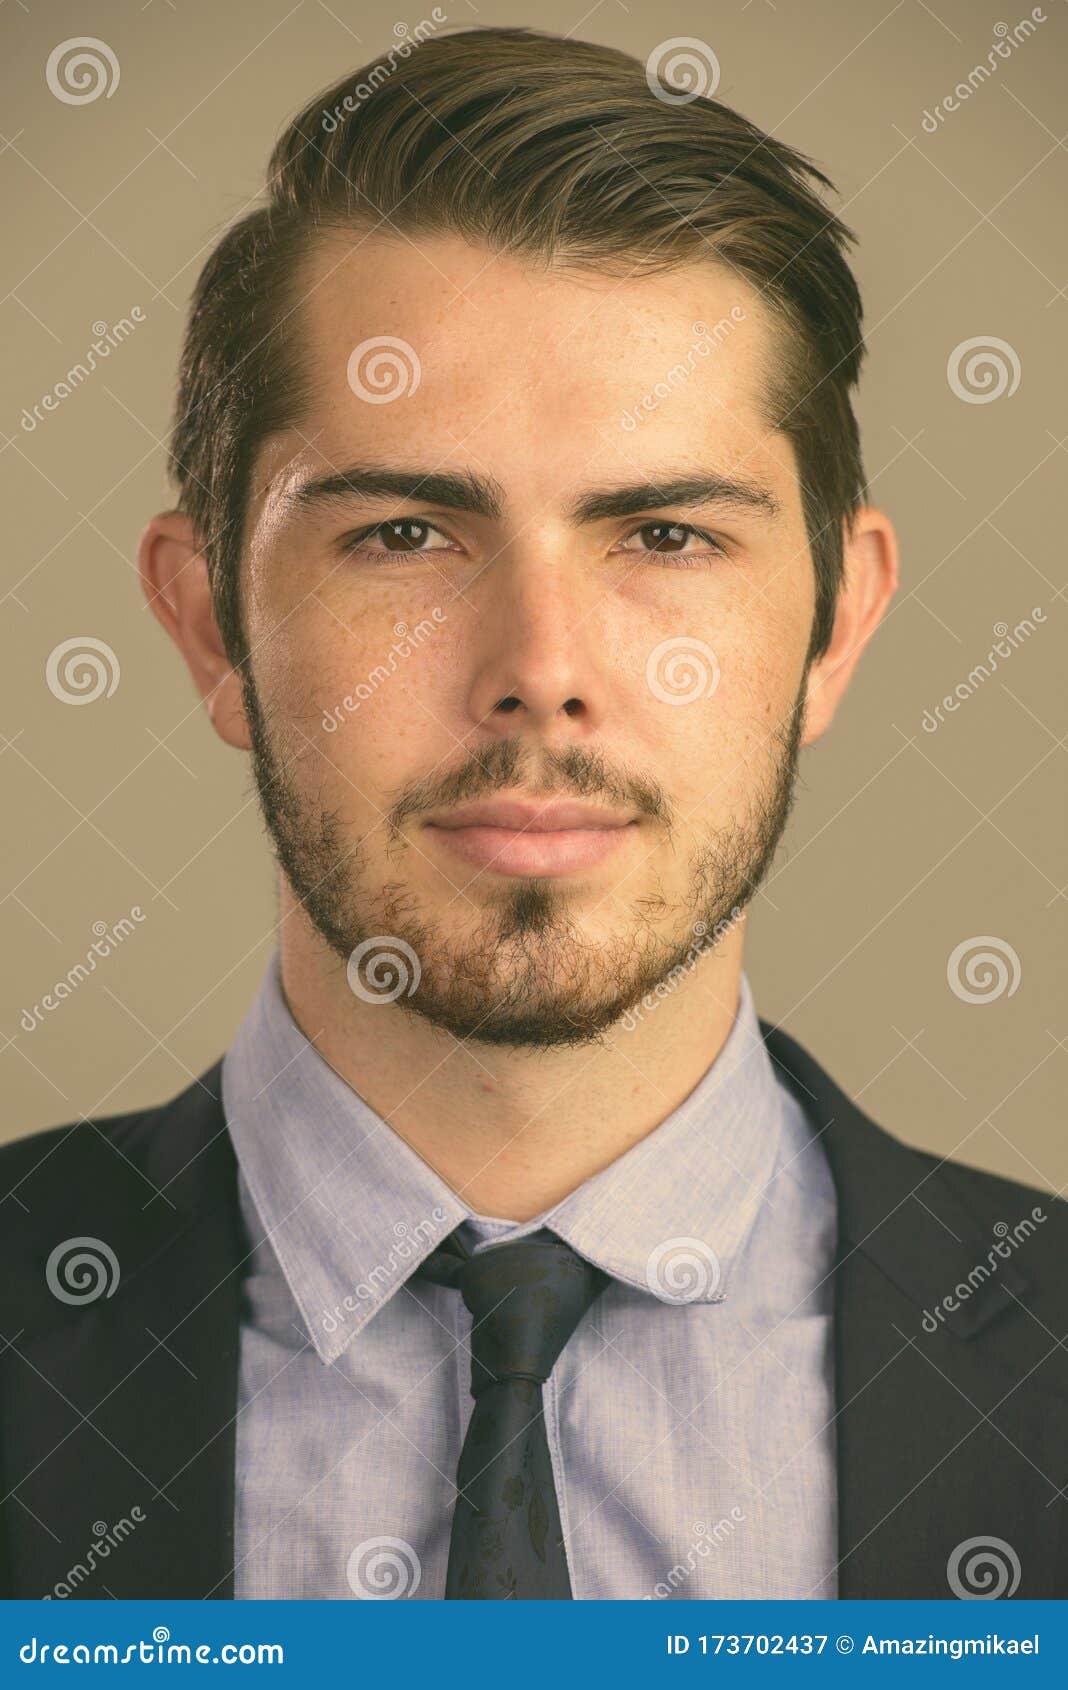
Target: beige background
{"points": [[904, 844]]}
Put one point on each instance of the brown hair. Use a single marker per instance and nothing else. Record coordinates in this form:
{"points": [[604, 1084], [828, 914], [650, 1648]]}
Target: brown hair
{"points": [[558, 151]]}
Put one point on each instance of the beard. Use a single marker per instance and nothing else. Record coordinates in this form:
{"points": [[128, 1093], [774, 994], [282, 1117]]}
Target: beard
{"points": [[521, 973]]}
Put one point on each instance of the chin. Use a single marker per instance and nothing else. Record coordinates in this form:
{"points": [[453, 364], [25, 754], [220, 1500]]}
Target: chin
{"points": [[516, 1025]]}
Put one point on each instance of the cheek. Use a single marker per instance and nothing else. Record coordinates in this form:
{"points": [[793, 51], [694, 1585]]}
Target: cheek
{"points": [[710, 716], [350, 702], [737, 660], [763, 640]]}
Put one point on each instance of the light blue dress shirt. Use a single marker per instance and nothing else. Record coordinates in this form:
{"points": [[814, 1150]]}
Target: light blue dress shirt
{"points": [[690, 1418]]}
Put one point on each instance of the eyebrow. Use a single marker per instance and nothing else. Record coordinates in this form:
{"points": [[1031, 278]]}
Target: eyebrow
{"points": [[479, 495]]}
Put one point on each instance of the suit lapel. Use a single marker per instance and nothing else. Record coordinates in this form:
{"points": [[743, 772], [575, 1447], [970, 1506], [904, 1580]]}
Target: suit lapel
{"points": [[942, 1435], [118, 1430]]}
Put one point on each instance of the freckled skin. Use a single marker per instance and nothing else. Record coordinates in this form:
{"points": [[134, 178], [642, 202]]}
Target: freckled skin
{"points": [[558, 362], [525, 376], [533, 608]]}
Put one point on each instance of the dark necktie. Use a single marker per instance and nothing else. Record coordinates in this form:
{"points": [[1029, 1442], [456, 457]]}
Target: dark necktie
{"points": [[525, 1301]]}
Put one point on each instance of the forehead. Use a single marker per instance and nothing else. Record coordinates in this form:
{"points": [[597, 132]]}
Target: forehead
{"points": [[435, 345]]}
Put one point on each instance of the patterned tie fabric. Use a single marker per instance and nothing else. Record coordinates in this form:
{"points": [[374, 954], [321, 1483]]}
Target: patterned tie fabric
{"points": [[525, 1301]]}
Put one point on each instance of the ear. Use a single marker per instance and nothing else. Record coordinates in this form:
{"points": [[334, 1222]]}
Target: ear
{"points": [[174, 576], [869, 581]]}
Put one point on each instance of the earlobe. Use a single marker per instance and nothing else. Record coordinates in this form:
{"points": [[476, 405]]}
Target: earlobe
{"points": [[174, 577], [870, 579]]}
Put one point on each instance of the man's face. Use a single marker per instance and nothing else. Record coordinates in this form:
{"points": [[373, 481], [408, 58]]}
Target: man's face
{"points": [[525, 629]]}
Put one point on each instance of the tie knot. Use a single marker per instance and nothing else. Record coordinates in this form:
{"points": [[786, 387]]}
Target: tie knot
{"points": [[525, 1301]]}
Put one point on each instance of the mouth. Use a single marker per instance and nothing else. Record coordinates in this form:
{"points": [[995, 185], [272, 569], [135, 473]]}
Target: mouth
{"points": [[522, 837]]}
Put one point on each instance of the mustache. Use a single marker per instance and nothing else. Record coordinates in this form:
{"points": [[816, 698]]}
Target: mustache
{"points": [[574, 772]]}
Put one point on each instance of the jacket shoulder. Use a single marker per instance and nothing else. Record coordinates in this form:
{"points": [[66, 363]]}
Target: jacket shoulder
{"points": [[987, 1196], [1005, 1208], [986, 1190], [20, 1157], [57, 1158], [929, 1222], [125, 1184]]}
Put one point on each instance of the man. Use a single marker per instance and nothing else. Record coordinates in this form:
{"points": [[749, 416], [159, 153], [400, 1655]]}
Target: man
{"points": [[522, 541]]}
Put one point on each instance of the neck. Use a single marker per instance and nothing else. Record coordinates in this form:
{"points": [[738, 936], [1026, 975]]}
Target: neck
{"points": [[512, 1132]]}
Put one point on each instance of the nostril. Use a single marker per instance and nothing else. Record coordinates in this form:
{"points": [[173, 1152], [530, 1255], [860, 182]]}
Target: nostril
{"points": [[571, 706]]}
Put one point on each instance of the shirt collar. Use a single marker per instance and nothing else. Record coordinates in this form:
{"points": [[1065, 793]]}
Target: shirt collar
{"points": [[351, 1210], [673, 1213]]}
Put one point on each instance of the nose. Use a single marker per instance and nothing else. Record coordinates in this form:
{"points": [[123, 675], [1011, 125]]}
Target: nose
{"points": [[537, 665]]}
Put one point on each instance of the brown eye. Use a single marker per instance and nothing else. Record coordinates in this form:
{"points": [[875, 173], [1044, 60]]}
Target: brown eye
{"points": [[680, 543], [665, 536], [398, 537], [406, 535]]}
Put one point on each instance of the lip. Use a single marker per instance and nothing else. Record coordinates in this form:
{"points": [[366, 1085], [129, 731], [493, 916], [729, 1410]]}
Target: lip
{"points": [[517, 837], [529, 816]]}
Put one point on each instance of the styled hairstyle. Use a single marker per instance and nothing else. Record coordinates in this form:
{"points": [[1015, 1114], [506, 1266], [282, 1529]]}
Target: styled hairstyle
{"points": [[559, 152]]}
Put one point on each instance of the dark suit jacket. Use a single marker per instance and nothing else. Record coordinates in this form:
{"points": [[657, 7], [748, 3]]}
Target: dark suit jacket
{"points": [[129, 1400]]}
